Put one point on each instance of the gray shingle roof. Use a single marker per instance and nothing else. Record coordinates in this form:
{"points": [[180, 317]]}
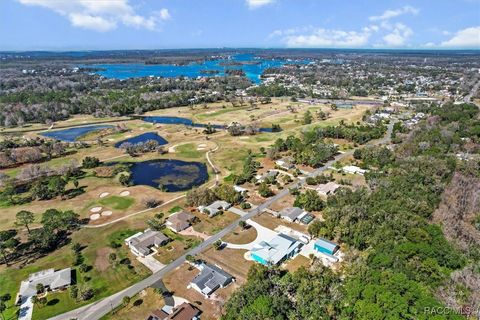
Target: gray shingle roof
{"points": [[211, 278]]}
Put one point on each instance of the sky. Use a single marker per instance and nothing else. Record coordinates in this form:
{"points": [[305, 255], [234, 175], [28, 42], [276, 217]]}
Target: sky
{"points": [[161, 24]]}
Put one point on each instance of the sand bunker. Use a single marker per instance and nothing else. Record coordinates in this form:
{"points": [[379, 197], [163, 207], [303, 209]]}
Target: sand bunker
{"points": [[202, 145], [124, 193], [94, 216], [200, 149], [104, 194], [96, 209], [106, 213]]}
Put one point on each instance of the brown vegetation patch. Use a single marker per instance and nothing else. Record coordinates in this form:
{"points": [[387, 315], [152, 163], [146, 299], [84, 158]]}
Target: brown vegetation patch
{"points": [[101, 260]]}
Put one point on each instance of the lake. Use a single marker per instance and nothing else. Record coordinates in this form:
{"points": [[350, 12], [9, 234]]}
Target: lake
{"points": [[72, 134], [143, 138], [173, 175], [187, 122], [252, 66]]}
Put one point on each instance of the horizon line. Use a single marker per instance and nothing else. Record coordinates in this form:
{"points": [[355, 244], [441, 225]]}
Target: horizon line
{"points": [[236, 48]]}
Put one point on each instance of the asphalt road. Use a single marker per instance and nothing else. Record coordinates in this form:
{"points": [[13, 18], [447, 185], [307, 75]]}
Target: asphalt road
{"points": [[100, 308]]}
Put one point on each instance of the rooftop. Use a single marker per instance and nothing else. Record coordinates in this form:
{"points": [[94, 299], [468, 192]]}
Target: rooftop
{"points": [[211, 278], [276, 249], [142, 242], [51, 278], [292, 213]]}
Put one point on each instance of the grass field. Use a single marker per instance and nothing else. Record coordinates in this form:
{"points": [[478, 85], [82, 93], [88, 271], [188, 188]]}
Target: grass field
{"points": [[188, 150], [116, 202]]}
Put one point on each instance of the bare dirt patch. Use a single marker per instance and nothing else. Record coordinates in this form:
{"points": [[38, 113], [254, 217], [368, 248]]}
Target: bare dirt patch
{"points": [[101, 259]]}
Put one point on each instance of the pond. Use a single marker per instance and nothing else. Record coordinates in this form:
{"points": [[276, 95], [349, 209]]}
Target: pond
{"points": [[187, 122], [143, 138], [252, 66], [172, 175], [72, 134]]}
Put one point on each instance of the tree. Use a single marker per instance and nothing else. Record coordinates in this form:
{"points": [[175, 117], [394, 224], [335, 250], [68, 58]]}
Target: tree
{"points": [[124, 179], [199, 196], [73, 291], [218, 244], [227, 193], [8, 243], [24, 218], [307, 117], [39, 288], [310, 201], [264, 190], [242, 224], [90, 162], [86, 293]]}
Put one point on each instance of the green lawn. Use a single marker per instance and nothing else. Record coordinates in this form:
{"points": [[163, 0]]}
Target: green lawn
{"points": [[116, 202], [188, 150]]}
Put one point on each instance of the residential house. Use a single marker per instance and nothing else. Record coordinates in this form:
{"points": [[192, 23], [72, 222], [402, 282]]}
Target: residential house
{"points": [[179, 221], [215, 208], [354, 170], [240, 190], [210, 279], [275, 251], [327, 188], [50, 279], [269, 175], [291, 214], [326, 247], [141, 243], [184, 311], [285, 163]]}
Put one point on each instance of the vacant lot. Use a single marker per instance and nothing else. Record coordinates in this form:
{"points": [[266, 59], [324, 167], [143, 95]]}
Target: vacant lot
{"points": [[231, 260], [140, 306], [241, 236]]}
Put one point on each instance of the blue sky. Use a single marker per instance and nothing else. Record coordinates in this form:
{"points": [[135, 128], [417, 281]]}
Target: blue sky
{"points": [[157, 24]]}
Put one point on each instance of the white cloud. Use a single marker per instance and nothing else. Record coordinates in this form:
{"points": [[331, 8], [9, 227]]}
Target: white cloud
{"points": [[91, 22], [389, 14], [328, 38], [253, 4], [164, 14], [466, 38], [399, 36], [101, 15]]}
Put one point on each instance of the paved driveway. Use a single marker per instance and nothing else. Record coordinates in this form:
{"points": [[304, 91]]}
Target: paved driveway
{"points": [[26, 309], [151, 263], [263, 234], [241, 213]]}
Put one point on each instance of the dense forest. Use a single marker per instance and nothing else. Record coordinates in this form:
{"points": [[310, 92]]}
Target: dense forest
{"points": [[400, 264]]}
